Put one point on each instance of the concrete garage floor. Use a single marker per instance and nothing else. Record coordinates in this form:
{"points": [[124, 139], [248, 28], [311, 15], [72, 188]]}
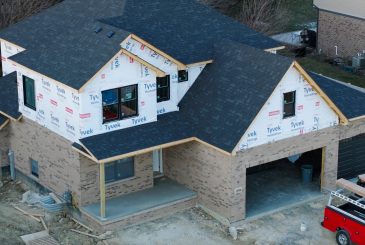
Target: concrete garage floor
{"points": [[164, 191], [278, 186]]}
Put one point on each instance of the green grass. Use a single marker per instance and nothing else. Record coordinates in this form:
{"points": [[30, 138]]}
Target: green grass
{"points": [[298, 13], [318, 65]]}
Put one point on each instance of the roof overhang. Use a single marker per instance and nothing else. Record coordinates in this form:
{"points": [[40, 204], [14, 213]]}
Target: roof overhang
{"points": [[87, 153], [343, 119]]}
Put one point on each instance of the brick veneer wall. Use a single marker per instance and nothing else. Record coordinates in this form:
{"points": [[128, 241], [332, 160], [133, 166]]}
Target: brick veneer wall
{"points": [[4, 146], [59, 168], [90, 192], [343, 31], [204, 170]]}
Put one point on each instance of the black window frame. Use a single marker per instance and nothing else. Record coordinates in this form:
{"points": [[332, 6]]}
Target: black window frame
{"points": [[119, 103], [25, 93], [115, 167], [183, 76], [35, 174], [289, 104], [163, 89]]}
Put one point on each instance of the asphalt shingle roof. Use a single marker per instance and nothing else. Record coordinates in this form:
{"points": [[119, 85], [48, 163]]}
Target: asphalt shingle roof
{"points": [[9, 96], [217, 109], [185, 29], [61, 43], [349, 100]]}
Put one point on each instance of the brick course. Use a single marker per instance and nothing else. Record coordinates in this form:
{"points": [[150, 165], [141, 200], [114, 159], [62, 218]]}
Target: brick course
{"points": [[343, 31], [90, 180]]}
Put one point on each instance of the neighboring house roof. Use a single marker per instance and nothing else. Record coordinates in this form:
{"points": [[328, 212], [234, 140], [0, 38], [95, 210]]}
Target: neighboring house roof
{"points": [[185, 29], [349, 100], [355, 8], [9, 105], [217, 109], [61, 42]]}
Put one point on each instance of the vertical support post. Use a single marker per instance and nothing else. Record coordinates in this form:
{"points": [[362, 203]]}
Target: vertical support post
{"points": [[329, 166], [102, 190]]}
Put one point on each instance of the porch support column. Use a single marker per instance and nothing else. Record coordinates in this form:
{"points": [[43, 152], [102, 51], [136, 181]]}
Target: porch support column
{"points": [[102, 190], [329, 166]]}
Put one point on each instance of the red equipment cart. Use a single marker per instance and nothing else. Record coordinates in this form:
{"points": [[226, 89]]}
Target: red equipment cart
{"points": [[345, 215]]}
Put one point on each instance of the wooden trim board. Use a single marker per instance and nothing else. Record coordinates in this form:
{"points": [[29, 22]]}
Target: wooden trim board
{"points": [[343, 119], [10, 117], [350, 186], [159, 72], [4, 124], [180, 65]]}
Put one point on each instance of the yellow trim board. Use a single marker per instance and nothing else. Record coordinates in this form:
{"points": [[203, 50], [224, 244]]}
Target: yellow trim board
{"points": [[10, 117], [143, 151], [357, 118], [275, 49], [343, 118], [84, 154], [4, 124], [180, 65], [159, 72], [87, 150], [200, 63]]}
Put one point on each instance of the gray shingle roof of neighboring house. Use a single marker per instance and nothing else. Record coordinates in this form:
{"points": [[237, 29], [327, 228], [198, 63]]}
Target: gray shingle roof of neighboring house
{"points": [[349, 100], [61, 43], [9, 96], [217, 109], [185, 29]]}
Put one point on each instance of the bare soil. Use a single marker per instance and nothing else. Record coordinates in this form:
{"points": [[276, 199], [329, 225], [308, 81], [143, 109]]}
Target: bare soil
{"points": [[14, 224]]}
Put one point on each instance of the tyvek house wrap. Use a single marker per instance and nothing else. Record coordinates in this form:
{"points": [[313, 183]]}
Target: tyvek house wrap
{"points": [[312, 113]]}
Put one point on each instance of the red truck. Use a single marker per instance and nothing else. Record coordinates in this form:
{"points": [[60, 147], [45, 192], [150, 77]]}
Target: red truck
{"points": [[345, 215]]}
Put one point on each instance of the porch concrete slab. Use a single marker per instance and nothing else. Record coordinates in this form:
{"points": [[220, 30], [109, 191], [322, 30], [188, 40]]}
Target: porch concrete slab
{"points": [[278, 187], [165, 191]]}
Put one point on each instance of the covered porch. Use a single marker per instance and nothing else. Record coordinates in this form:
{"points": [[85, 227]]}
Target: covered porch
{"points": [[151, 203]]}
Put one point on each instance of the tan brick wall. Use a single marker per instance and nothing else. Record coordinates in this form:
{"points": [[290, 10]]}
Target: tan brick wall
{"points": [[59, 168], [90, 192], [4, 145], [204, 170], [345, 32]]}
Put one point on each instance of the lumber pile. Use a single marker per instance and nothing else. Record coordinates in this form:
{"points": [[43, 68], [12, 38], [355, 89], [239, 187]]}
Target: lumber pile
{"points": [[348, 185]]}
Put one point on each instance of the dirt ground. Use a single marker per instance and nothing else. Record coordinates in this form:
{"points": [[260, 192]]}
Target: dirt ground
{"points": [[195, 227], [13, 224], [192, 226]]}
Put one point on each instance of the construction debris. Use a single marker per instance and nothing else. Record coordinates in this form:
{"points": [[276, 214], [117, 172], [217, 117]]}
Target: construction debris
{"points": [[42, 237], [44, 224], [26, 213], [86, 227], [103, 236]]}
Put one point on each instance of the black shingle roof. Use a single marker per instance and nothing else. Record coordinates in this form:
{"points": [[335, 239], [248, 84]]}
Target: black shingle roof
{"points": [[185, 29], [217, 109], [350, 101], [9, 96], [61, 43]]}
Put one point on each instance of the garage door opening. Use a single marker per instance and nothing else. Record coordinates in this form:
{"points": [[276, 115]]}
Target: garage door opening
{"points": [[277, 184]]}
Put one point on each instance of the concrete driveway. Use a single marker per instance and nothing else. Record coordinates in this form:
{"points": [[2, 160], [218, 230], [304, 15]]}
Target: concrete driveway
{"points": [[193, 226]]}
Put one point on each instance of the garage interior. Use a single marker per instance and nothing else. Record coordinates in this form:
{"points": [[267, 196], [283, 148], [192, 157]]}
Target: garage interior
{"points": [[279, 184]]}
